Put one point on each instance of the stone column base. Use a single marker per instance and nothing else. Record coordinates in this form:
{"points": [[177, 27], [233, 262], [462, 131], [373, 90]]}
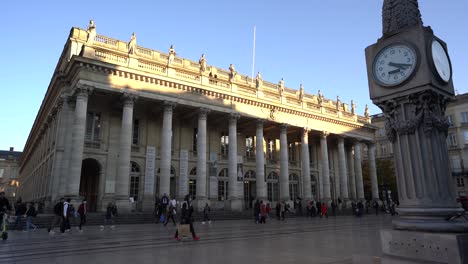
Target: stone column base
{"points": [[423, 247], [235, 205]]}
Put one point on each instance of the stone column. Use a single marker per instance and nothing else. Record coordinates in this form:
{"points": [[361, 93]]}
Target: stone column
{"points": [[260, 163], [352, 175], [79, 129], [235, 199], [166, 147], [373, 171], [122, 183], [201, 198], [305, 165], [62, 112], [358, 171], [284, 164], [343, 170], [325, 175]]}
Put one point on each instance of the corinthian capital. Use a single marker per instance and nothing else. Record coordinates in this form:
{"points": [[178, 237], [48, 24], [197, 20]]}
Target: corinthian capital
{"points": [[128, 99], [83, 90], [203, 113]]}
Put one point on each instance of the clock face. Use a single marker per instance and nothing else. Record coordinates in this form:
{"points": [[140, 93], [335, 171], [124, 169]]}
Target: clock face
{"points": [[394, 64], [441, 61]]}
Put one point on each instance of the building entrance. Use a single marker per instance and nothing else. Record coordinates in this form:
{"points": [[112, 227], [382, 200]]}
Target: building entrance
{"points": [[89, 182]]}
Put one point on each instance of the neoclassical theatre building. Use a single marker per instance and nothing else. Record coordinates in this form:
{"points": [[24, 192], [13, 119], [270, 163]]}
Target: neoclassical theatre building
{"points": [[124, 123]]}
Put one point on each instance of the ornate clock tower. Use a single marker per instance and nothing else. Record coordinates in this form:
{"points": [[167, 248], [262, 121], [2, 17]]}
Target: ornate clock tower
{"points": [[410, 79]]}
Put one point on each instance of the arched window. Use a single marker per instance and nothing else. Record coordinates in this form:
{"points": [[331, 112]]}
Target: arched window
{"points": [[273, 186], [293, 186], [249, 175], [135, 181], [223, 184]]}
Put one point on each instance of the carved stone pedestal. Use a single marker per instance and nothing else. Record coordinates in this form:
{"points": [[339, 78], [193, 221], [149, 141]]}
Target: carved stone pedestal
{"points": [[423, 247]]}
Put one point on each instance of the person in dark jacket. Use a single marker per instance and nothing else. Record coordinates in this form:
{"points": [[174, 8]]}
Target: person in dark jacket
{"points": [[256, 211], [186, 219], [30, 213], [57, 220], [111, 212], [318, 204], [333, 206], [82, 210], [20, 210], [206, 214]]}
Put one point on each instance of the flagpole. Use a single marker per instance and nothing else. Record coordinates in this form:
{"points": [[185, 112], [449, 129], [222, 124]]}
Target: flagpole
{"points": [[253, 56]]}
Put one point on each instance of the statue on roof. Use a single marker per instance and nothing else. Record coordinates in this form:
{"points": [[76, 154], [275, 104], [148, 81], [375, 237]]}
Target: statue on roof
{"points": [[366, 112], [353, 107], [172, 55], [91, 32], [202, 63], [258, 81], [233, 72], [132, 44], [281, 87], [398, 15], [320, 98], [301, 92], [338, 103]]}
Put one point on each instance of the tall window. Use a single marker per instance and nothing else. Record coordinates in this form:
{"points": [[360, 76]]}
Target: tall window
{"points": [[452, 139], [224, 144], [292, 151], [223, 185], [450, 120], [134, 181], [293, 186], [249, 147], [93, 126], [273, 187], [194, 140], [464, 117], [271, 149], [383, 149], [136, 132], [465, 137]]}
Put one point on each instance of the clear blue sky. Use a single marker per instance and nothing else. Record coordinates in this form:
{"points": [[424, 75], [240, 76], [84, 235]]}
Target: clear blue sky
{"points": [[317, 43]]}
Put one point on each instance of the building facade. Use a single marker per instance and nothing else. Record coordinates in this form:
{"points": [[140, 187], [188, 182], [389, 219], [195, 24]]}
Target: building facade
{"points": [[119, 121], [9, 166]]}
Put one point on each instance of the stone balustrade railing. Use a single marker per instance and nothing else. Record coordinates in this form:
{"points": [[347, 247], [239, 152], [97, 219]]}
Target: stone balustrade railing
{"points": [[116, 51]]}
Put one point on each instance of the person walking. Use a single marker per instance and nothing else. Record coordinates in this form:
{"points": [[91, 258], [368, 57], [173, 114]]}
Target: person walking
{"points": [[319, 206], [283, 210], [58, 217], [67, 212], [278, 210], [360, 208], [164, 205], [340, 205], [268, 209], [30, 213], [20, 210], [157, 209], [333, 206], [375, 204], [263, 213], [256, 211], [186, 219], [111, 212], [82, 211], [206, 214], [4, 205], [171, 213], [324, 210]]}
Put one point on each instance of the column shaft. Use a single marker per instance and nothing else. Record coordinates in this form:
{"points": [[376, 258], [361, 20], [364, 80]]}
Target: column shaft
{"points": [[284, 165], [307, 195], [201, 159], [235, 198], [358, 170], [325, 175], [166, 145], [260, 163], [373, 172], [352, 175], [343, 169]]}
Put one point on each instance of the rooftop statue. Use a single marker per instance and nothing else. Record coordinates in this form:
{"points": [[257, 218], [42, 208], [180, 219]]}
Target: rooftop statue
{"points": [[258, 80], [320, 98], [400, 14], [353, 107], [233, 72], [202, 63], [132, 44], [338, 103], [172, 54], [91, 32], [281, 87], [301, 92], [366, 112]]}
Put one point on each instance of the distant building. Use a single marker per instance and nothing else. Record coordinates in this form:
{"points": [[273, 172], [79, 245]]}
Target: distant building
{"points": [[457, 142], [9, 164]]}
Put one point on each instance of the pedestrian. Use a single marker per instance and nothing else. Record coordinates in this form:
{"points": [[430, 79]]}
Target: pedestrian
{"points": [[354, 208], [313, 210], [263, 213], [333, 206], [20, 210], [170, 214], [186, 219], [299, 206], [30, 213], [157, 209], [340, 205], [309, 209], [67, 213], [278, 210], [324, 210], [82, 211], [111, 212], [58, 216], [318, 204], [283, 210], [256, 211], [375, 204], [4, 205], [164, 204], [268, 209], [206, 214], [360, 208]]}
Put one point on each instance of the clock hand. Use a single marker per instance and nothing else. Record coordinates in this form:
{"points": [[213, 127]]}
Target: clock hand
{"points": [[394, 71], [401, 66]]}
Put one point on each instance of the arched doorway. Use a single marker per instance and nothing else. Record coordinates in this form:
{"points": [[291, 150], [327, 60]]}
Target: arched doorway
{"points": [[89, 182], [249, 187], [293, 186]]}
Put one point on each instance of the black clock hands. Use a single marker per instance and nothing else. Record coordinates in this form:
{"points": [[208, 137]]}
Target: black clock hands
{"points": [[394, 71], [401, 66]]}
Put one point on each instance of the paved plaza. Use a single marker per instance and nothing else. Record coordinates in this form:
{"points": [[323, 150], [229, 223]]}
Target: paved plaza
{"points": [[299, 240]]}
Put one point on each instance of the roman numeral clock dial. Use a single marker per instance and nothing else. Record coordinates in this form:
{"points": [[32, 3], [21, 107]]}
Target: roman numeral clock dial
{"points": [[394, 64]]}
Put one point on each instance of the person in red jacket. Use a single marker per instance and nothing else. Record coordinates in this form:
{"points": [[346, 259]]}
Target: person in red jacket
{"points": [[82, 210], [263, 212], [324, 211]]}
